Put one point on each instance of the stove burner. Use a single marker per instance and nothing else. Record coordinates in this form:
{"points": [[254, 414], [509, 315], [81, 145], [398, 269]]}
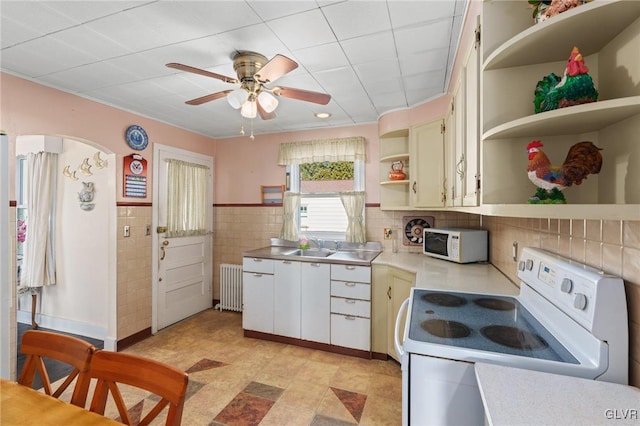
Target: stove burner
{"points": [[495, 304], [445, 329], [513, 337], [444, 299]]}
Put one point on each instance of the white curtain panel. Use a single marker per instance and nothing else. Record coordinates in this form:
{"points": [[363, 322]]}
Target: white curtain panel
{"points": [[290, 205], [353, 202], [340, 149], [39, 264], [186, 198]]}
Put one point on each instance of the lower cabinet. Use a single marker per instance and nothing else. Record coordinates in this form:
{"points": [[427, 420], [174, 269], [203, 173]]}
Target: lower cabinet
{"points": [[318, 302], [315, 297], [286, 298], [257, 295], [390, 287]]}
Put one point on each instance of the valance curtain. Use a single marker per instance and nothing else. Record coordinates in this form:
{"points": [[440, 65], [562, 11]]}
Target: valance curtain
{"points": [[290, 205], [186, 198], [339, 149], [39, 264], [353, 202]]}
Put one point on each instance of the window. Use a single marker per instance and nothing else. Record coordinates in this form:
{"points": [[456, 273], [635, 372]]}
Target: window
{"points": [[321, 213]]}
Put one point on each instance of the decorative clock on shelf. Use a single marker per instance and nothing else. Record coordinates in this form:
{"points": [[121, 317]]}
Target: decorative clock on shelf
{"points": [[413, 228], [136, 137]]}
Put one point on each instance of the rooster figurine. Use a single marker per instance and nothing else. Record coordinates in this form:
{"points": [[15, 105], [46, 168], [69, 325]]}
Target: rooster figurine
{"points": [[574, 88], [583, 159]]}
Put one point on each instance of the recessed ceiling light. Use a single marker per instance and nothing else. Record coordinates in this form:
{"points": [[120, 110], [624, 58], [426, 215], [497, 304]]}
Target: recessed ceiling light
{"points": [[322, 115]]}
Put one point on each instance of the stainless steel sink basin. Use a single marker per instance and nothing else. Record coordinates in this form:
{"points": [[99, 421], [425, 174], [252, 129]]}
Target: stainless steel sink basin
{"points": [[310, 253]]}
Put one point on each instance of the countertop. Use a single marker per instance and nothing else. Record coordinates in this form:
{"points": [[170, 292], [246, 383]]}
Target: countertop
{"points": [[440, 274], [513, 396]]}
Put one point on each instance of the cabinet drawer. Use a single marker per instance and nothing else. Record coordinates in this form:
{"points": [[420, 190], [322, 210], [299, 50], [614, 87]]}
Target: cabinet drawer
{"points": [[351, 273], [355, 307], [254, 264], [351, 332], [351, 290]]}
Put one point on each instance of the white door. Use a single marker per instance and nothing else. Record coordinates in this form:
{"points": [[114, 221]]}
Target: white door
{"points": [[183, 279]]}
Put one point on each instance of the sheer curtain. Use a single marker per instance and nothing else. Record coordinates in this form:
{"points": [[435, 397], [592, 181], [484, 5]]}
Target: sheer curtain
{"points": [[353, 202], [39, 263], [290, 205], [186, 198]]}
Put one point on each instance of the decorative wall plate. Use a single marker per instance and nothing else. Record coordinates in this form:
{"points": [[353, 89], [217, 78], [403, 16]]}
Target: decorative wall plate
{"points": [[413, 227], [136, 137]]}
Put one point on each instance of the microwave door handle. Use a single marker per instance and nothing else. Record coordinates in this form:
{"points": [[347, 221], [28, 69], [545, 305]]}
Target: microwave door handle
{"points": [[396, 337]]}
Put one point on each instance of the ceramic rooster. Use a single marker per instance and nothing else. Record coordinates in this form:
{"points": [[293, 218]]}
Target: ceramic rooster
{"points": [[583, 159], [574, 88]]}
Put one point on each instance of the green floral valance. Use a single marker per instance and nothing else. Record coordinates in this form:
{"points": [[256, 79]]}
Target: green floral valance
{"points": [[339, 149]]}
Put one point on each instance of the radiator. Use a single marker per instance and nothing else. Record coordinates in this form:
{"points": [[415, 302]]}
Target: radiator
{"points": [[230, 287]]}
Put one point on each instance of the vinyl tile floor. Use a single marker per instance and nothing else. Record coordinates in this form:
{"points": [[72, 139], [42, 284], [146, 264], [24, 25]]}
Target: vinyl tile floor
{"points": [[234, 380]]}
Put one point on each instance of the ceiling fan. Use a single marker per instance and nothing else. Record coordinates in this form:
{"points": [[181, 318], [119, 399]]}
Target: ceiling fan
{"points": [[254, 73]]}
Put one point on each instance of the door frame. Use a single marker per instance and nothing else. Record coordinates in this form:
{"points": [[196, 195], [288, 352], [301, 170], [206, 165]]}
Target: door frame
{"points": [[154, 220]]}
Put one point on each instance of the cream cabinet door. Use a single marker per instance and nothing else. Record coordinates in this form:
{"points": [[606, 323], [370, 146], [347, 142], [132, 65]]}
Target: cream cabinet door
{"points": [[471, 75], [286, 298], [315, 313], [400, 284], [426, 148]]}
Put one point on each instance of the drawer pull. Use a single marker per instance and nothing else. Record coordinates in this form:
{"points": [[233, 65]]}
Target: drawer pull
{"points": [[352, 301], [350, 284], [256, 274], [350, 267], [350, 317], [255, 259], [316, 265], [286, 262]]}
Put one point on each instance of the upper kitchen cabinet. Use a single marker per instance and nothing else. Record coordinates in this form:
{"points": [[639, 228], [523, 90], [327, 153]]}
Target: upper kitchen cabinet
{"points": [[516, 54], [426, 150]]}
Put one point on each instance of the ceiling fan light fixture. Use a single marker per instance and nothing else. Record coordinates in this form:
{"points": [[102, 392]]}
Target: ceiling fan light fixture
{"points": [[268, 102], [237, 98], [249, 109]]}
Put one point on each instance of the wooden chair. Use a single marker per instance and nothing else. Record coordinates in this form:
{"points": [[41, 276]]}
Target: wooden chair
{"points": [[165, 381], [39, 345]]}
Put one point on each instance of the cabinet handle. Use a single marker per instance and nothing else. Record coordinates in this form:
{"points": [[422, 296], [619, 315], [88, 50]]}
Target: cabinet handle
{"points": [[315, 264], [350, 267], [350, 317], [255, 259], [257, 275], [389, 292], [350, 284], [414, 187], [351, 301], [286, 262]]}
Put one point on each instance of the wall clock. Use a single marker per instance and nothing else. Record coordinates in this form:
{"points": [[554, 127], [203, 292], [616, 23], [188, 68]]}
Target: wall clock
{"points": [[136, 137], [413, 227]]}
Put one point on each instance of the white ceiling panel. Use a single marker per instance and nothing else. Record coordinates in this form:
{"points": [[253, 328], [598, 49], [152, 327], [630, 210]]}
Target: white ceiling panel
{"points": [[370, 56]]}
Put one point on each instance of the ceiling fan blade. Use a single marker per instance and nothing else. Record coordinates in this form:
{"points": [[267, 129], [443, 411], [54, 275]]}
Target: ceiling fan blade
{"points": [[206, 73], [264, 114], [302, 95], [278, 66], [208, 98]]}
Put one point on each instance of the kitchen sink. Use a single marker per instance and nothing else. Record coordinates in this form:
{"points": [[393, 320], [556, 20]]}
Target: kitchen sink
{"points": [[310, 253]]}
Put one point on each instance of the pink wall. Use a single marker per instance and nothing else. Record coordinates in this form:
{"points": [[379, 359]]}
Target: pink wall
{"points": [[242, 165], [29, 108]]}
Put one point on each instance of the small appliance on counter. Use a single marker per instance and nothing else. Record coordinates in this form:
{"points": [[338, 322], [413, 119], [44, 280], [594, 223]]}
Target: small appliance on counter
{"points": [[458, 245]]}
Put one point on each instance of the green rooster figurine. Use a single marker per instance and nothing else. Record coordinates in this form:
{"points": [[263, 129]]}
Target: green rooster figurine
{"points": [[574, 88]]}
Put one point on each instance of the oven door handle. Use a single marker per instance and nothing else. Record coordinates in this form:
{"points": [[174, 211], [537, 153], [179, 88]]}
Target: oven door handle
{"points": [[396, 337]]}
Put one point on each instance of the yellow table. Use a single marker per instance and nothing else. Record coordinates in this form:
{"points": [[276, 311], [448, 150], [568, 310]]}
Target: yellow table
{"points": [[20, 405]]}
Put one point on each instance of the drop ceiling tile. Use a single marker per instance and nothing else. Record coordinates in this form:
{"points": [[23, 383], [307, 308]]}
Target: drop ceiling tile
{"points": [[369, 48], [323, 57], [423, 38], [256, 38], [269, 10], [303, 30], [85, 11], [14, 32], [355, 19], [405, 13], [89, 77], [431, 60], [385, 73], [90, 42], [432, 80], [35, 15], [339, 81], [389, 101], [418, 97]]}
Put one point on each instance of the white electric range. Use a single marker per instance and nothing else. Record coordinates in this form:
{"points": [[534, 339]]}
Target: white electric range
{"points": [[568, 319]]}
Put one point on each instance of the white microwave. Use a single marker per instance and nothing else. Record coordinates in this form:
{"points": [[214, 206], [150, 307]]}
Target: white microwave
{"points": [[456, 244]]}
